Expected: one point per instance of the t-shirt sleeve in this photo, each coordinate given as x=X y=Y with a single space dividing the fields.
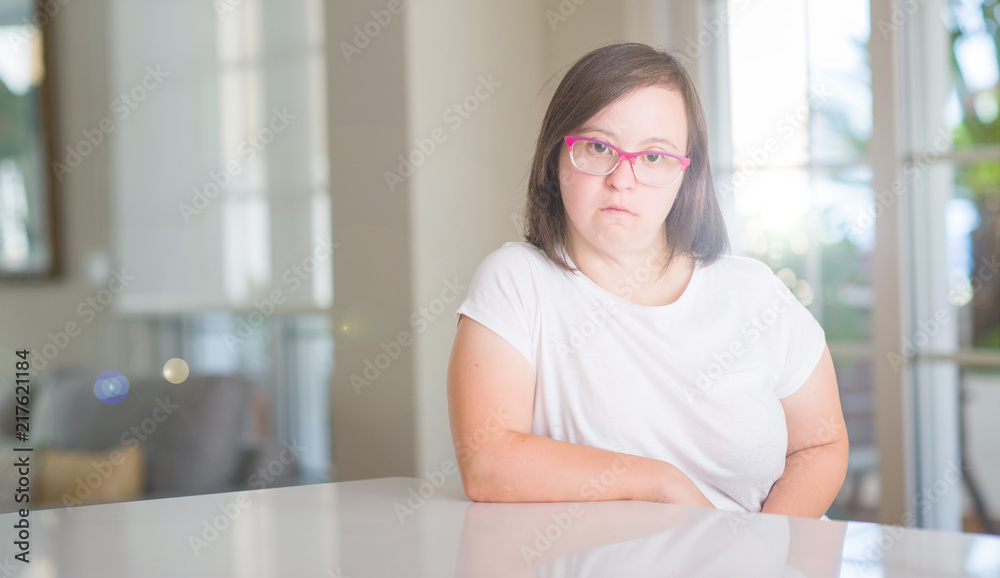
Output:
x=799 y=341
x=502 y=297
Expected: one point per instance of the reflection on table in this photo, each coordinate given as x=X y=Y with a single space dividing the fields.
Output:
x=411 y=527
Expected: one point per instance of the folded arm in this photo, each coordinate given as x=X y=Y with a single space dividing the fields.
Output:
x=816 y=459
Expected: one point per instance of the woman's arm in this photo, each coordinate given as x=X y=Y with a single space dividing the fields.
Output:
x=530 y=468
x=816 y=459
x=490 y=399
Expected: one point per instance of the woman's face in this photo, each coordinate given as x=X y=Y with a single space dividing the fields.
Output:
x=650 y=118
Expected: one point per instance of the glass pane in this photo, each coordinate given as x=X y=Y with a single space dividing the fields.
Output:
x=813 y=58
x=837 y=44
x=973 y=102
x=972 y=222
x=981 y=476
x=768 y=47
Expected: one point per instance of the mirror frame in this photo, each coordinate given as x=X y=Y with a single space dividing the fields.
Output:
x=53 y=269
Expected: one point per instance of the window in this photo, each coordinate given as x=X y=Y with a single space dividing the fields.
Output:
x=792 y=90
x=951 y=169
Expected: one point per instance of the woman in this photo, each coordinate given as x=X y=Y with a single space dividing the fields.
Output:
x=619 y=353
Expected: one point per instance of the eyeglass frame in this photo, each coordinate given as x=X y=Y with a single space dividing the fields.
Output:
x=570 y=140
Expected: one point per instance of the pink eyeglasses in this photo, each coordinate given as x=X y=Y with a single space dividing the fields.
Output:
x=598 y=157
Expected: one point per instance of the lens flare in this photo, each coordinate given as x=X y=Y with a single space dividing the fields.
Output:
x=176 y=370
x=111 y=387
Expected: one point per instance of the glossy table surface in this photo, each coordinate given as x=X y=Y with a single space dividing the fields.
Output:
x=409 y=527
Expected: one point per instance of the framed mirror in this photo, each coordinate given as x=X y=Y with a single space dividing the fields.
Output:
x=28 y=231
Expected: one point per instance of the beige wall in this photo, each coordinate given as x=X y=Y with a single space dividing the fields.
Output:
x=463 y=198
x=372 y=281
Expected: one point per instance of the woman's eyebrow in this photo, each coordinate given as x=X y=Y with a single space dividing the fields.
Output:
x=650 y=140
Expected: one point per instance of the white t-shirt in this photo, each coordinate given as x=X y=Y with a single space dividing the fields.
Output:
x=695 y=383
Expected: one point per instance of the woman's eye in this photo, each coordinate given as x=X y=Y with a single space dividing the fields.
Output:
x=653 y=159
x=598 y=147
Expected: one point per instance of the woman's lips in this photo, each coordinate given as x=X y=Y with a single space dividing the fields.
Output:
x=614 y=211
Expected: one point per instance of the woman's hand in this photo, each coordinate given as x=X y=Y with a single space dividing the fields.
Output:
x=674 y=487
x=688 y=494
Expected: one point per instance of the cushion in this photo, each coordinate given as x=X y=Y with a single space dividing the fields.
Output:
x=75 y=478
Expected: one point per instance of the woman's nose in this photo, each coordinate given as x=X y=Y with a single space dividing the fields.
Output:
x=623 y=177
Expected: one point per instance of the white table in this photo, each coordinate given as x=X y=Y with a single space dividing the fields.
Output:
x=367 y=528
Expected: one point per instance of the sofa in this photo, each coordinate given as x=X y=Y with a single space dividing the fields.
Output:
x=207 y=434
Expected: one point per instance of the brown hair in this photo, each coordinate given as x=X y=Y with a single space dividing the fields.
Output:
x=694 y=225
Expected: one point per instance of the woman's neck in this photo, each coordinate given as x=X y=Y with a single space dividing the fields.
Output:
x=635 y=277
